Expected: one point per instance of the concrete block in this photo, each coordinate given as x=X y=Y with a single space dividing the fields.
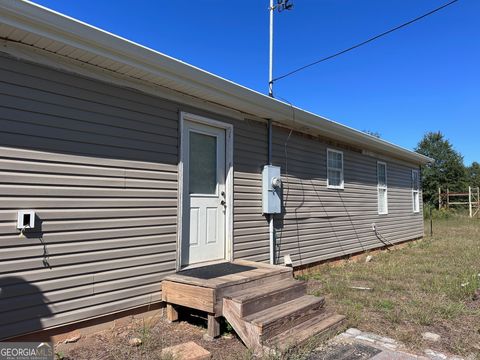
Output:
x=187 y=351
x=353 y=332
x=429 y=336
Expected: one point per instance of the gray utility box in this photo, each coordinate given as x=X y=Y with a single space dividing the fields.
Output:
x=271 y=190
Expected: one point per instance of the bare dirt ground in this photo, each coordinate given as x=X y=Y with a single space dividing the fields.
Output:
x=114 y=344
x=157 y=334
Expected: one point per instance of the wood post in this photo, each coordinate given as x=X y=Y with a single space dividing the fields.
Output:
x=439 y=198
x=477 y=211
x=213 y=330
x=431 y=221
x=470 y=201
x=172 y=313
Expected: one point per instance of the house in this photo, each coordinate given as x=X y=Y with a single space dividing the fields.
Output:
x=120 y=166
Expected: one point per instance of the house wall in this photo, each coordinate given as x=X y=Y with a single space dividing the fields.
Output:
x=321 y=223
x=98 y=163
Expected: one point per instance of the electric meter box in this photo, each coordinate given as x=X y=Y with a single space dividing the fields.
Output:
x=271 y=190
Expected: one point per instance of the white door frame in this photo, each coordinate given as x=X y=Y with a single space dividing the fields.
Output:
x=228 y=183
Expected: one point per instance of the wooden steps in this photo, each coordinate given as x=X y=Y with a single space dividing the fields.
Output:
x=277 y=315
x=277 y=319
x=316 y=326
x=266 y=306
x=259 y=298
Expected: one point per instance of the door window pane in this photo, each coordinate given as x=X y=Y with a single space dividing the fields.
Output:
x=203 y=164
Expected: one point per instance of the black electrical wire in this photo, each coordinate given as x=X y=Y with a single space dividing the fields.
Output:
x=364 y=42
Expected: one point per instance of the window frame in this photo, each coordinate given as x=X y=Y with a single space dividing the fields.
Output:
x=342 y=182
x=382 y=187
x=416 y=200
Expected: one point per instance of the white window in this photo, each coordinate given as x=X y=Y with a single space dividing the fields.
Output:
x=334 y=169
x=382 y=189
x=416 y=190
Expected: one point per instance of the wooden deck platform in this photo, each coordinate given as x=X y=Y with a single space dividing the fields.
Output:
x=261 y=301
x=203 y=288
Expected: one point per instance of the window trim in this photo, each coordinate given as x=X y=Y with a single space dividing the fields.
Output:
x=382 y=187
x=416 y=203
x=342 y=182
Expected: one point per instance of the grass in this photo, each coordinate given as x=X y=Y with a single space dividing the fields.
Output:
x=428 y=285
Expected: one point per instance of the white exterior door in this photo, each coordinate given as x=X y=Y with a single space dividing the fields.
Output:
x=204 y=198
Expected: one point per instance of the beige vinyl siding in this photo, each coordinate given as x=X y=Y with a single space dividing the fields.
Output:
x=250 y=231
x=98 y=164
x=321 y=223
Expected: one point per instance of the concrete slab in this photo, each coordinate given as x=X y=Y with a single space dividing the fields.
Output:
x=396 y=355
x=345 y=351
x=355 y=344
x=187 y=351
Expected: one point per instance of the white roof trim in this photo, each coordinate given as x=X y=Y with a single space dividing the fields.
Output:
x=182 y=77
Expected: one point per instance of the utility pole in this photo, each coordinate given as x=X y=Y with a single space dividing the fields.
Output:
x=271 y=9
x=280 y=6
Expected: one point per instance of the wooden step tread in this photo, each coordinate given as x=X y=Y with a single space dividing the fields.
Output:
x=276 y=313
x=267 y=290
x=302 y=332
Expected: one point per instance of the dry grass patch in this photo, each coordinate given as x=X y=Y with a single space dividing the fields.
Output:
x=430 y=285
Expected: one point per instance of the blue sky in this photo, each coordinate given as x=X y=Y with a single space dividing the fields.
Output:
x=425 y=77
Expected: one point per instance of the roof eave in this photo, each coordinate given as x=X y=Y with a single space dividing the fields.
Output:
x=50 y=24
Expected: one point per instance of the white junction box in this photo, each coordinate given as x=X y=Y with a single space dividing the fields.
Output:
x=271 y=190
x=25 y=219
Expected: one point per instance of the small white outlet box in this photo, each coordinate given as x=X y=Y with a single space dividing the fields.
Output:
x=288 y=260
x=374 y=227
x=26 y=219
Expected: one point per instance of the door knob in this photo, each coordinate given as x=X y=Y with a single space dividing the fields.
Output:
x=223 y=203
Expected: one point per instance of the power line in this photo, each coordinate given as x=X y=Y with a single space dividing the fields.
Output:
x=365 y=42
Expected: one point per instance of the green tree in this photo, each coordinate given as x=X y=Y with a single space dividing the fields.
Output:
x=448 y=170
x=474 y=174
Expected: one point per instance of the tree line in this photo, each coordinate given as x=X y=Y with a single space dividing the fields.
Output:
x=448 y=170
